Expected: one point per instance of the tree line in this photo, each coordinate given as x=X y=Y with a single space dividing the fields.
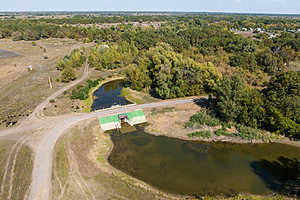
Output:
x=275 y=108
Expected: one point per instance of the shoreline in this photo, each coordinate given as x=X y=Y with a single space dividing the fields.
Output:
x=170 y=123
x=87 y=104
x=144 y=185
x=225 y=139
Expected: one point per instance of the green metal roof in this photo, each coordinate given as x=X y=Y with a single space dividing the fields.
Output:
x=115 y=118
x=109 y=119
x=137 y=113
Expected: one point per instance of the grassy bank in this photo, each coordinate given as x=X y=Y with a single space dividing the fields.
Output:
x=87 y=103
x=137 y=97
x=213 y=128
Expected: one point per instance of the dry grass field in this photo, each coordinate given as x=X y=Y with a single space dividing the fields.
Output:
x=15 y=170
x=22 y=90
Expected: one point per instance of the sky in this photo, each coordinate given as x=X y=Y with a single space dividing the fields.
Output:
x=242 y=6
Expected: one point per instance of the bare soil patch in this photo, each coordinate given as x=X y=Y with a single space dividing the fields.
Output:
x=169 y=121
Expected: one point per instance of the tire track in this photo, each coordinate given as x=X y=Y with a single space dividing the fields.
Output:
x=13 y=167
x=76 y=173
x=7 y=164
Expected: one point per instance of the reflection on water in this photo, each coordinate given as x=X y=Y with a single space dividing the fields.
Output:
x=108 y=95
x=191 y=168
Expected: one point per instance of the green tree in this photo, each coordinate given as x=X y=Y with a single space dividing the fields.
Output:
x=283 y=95
x=68 y=74
x=229 y=95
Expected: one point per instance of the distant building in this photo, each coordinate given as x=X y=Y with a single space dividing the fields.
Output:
x=244 y=29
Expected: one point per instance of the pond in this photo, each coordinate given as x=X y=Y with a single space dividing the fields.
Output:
x=7 y=54
x=199 y=168
x=108 y=95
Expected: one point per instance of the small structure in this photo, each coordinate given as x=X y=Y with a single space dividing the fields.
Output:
x=29 y=68
x=114 y=121
x=110 y=122
x=136 y=117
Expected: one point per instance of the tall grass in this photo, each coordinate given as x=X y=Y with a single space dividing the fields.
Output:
x=201 y=134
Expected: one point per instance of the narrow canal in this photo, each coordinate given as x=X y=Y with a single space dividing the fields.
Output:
x=108 y=95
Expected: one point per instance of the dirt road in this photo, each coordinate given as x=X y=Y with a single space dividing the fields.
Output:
x=38 y=110
x=51 y=128
x=41 y=180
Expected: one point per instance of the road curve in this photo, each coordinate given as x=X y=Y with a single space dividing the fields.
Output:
x=42 y=169
x=44 y=104
x=54 y=127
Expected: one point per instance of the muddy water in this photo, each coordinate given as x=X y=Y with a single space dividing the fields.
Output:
x=108 y=95
x=198 y=168
x=7 y=54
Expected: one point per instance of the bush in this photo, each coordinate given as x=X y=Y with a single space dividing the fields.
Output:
x=82 y=92
x=52 y=101
x=203 y=118
x=68 y=75
x=246 y=132
x=202 y=134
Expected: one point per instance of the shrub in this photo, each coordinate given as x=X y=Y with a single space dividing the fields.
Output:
x=203 y=118
x=82 y=92
x=246 y=132
x=52 y=101
x=68 y=75
x=222 y=131
x=202 y=134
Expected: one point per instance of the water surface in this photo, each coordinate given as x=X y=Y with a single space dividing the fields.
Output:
x=190 y=168
x=108 y=95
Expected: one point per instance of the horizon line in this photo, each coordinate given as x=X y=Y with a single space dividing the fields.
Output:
x=150 y=11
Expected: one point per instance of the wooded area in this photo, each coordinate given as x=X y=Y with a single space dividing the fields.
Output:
x=254 y=80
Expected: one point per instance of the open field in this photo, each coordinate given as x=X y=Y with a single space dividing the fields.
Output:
x=15 y=170
x=22 y=90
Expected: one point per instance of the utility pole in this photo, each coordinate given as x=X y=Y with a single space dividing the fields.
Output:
x=50 y=83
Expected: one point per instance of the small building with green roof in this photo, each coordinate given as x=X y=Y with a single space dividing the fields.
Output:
x=114 y=121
